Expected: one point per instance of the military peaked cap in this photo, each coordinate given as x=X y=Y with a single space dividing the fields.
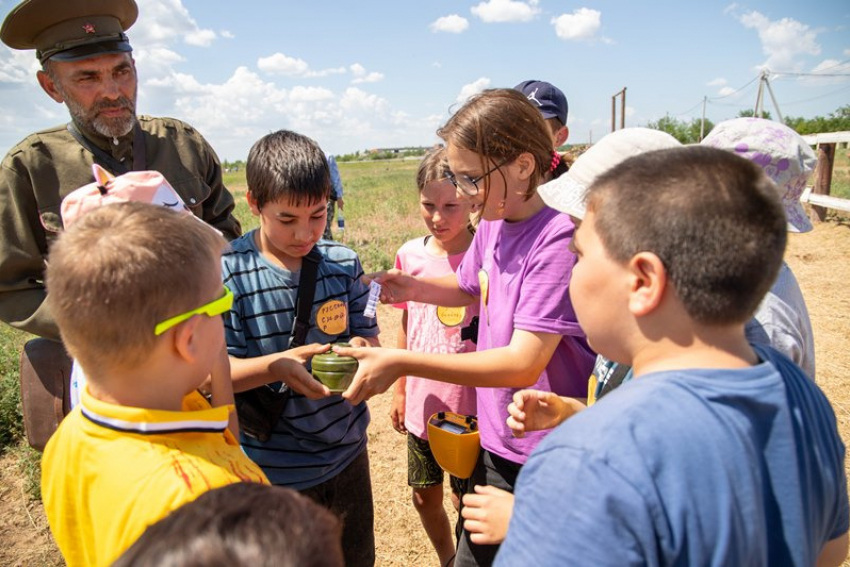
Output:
x=67 y=30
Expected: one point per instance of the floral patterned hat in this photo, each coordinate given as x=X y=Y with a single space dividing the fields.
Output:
x=781 y=152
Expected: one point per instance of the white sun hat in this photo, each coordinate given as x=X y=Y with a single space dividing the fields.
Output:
x=567 y=192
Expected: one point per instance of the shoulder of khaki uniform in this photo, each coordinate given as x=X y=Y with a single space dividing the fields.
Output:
x=38 y=138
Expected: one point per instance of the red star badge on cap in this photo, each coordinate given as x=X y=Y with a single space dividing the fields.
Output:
x=88 y=28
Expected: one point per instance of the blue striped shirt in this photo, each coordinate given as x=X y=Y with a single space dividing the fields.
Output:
x=314 y=439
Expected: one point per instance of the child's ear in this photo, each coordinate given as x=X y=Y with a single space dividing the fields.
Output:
x=252 y=203
x=524 y=165
x=648 y=283
x=186 y=340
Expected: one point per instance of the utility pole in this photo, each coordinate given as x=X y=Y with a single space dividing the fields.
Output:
x=622 y=94
x=764 y=81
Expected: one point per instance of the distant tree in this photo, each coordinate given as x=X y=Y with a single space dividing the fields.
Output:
x=749 y=113
x=685 y=132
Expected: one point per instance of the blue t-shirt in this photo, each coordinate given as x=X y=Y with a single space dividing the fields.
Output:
x=692 y=467
x=314 y=439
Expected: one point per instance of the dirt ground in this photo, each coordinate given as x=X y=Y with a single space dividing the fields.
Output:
x=820 y=260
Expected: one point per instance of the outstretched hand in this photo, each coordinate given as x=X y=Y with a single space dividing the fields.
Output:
x=396 y=286
x=375 y=372
x=486 y=514
x=290 y=370
x=534 y=410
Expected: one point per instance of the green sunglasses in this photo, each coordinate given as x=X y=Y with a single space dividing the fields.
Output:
x=211 y=309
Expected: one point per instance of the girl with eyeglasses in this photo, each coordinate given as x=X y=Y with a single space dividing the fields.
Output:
x=518 y=270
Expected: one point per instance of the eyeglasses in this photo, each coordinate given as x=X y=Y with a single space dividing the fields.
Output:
x=211 y=309
x=468 y=185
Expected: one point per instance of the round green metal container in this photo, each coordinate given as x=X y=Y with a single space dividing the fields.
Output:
x=334 y=371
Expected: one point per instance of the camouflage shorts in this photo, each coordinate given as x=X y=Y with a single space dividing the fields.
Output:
x=422 y=468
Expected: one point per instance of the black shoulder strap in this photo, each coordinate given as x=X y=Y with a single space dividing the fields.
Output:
x=139 y=153
x=304 y=300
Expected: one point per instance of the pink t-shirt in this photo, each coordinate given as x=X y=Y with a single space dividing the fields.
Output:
x=521 y=271
x=436 y=330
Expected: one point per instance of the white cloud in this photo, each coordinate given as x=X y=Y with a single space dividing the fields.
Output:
x=847 y=52
x=450 y=24
x=280 y=64
x=582 y=24
x=472 y=89
x=726 y=91
x=500 y=11
x=17 y=66
x=372 y=77
x=718 y=82
x=783 y=41
x=310 y=94
x=437 y=65
x=828 y=67
x=166 y=21
x=325 y=72
x=156 y=61
x=630 y=111
x=227 y=34
x=361 y=76
x=200 y=38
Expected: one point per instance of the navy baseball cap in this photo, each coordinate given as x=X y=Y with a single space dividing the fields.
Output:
x=548 y=98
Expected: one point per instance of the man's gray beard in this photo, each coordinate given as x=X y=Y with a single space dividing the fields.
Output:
x=108 y=127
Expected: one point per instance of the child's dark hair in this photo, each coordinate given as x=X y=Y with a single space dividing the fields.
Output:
x=241 y=525
x=287 y=165
x=501 y=124
x=712 y=218
x=433 y=167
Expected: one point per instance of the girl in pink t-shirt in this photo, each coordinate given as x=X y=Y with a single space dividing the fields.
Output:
x=430 y=328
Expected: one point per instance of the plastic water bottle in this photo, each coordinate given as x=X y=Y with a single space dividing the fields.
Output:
x=340 y=222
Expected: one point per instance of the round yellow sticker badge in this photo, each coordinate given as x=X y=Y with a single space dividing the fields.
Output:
x=484 y=284
x=332 y=317
x=451 y=316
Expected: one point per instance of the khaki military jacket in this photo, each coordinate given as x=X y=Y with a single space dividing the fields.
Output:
x=40 y=171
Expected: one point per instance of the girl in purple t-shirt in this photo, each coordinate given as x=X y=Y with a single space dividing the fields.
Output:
x=518 y=269
x=431 y=328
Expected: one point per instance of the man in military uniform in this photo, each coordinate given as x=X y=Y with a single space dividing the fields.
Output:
x=87 y=65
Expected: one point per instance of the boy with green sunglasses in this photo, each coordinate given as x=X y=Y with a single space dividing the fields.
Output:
x=124 y=284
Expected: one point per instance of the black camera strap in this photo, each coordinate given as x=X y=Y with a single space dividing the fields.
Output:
x=105 y=159
x=304 y=299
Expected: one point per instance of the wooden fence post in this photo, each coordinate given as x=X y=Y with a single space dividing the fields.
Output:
x=823 y=178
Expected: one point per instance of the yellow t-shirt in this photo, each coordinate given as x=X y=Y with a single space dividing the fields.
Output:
x=110 y=471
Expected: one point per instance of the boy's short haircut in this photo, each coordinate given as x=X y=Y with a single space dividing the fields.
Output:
x=713 y=218
x=433 y=167
x=120 y=270
x=285 y=165
x=242 y=525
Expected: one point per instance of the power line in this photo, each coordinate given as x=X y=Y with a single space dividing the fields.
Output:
x=754 y=79
x=842 y=89
x=819 y=74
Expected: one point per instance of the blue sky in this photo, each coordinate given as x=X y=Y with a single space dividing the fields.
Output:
x=361 y=75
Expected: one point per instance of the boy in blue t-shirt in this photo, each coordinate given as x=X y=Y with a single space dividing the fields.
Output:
x=317 y=443
x=717 y=453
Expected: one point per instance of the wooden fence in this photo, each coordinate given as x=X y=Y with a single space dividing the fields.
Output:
x=818 y=194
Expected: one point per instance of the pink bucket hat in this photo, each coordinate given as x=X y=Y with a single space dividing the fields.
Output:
x=145 y=186
x=781 y=152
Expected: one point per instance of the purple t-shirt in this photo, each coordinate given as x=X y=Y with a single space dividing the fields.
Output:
x=521 y=271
